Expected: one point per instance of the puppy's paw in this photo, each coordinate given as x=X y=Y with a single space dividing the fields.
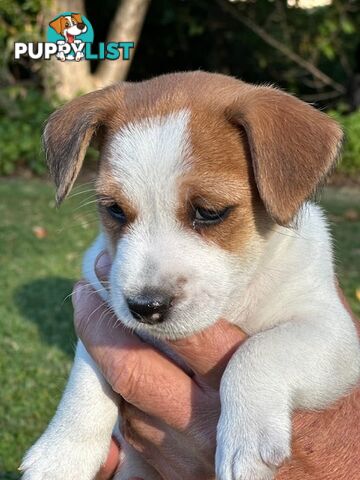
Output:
x=60 y=459
x=79 y=56
x=61 y=56
x=251 y=449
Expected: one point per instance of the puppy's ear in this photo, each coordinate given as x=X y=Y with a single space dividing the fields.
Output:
x=293 y=147
x=57 y=25
x=77 y=17
x=69 y=131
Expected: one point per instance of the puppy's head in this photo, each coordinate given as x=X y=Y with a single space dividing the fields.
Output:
x=195 y=170
x=70 y=24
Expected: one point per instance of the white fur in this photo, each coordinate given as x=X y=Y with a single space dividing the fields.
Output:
x=148 y=160
x=303 y=351
x=77 y=440
x=147 y=157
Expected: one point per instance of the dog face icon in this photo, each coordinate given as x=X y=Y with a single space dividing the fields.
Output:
x=69 y=26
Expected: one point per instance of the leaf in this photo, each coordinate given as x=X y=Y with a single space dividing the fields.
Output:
x=40 y=232
x=352 y=215
x=357 y=293
x=347 y=26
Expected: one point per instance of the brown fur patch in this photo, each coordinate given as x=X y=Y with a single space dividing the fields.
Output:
x=220 y=177
x=292 y=145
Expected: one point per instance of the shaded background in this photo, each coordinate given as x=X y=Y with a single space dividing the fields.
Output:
x=312 y=52
x=308 y=47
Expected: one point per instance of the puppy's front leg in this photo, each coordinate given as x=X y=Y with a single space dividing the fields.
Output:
x=300 y=364
x=77 y=440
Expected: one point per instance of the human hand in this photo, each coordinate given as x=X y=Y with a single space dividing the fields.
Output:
x=171 y=417
x=177 y=414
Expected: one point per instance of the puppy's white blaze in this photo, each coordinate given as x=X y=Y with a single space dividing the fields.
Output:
x=147 y=158
x=160 y=255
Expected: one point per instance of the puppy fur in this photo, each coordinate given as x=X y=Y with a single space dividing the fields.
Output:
x=197 y=139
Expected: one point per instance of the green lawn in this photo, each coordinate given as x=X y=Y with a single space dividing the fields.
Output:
x=36 y=275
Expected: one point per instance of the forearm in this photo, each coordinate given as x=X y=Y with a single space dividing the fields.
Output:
x=326 y=444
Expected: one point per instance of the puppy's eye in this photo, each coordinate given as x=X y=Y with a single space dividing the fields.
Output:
x=205 y=216
x=67 y=24
x=117 y=212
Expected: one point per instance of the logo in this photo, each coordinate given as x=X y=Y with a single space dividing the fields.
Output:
x=70 y=31
x=70 y=37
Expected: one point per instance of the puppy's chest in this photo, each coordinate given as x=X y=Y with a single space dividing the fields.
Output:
x=266 y=304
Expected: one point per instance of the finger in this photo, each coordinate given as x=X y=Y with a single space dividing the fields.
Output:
x=141 y=430
x=158 y=443
x=150 y=437
x=138 y=428
x=208 y=352
x=137 y=371
x=108 y=469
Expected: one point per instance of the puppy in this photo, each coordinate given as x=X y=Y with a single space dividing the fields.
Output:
x=69 y=26
x=203 y=194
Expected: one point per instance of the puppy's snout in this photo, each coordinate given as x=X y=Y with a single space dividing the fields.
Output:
x=150 y=306
x=81 y=26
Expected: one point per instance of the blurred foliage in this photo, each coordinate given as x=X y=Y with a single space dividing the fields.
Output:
x=20 y=21
x=350 y=162
x=189 y=34
x=24 y=111
x=200 y=34
x=22 y=114
x=23 y=108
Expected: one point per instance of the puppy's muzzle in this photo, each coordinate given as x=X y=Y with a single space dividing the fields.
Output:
x=81 y=26
x=150 y=306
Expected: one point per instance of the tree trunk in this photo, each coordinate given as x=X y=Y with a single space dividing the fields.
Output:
x=67 y=79
x=126 y=26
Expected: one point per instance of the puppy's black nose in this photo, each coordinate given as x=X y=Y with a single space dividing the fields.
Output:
x=149 y=306
x=81 y=26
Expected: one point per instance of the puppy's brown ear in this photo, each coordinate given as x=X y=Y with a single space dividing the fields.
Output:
x=57 y=25
x=293 y=147
x=69 y=131
x=77 y=17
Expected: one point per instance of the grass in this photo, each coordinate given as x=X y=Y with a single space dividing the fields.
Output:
x=36 y=334
x=37 y=274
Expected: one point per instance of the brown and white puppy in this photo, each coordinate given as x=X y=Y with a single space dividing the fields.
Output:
x=203 y=190
x=69 y=26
